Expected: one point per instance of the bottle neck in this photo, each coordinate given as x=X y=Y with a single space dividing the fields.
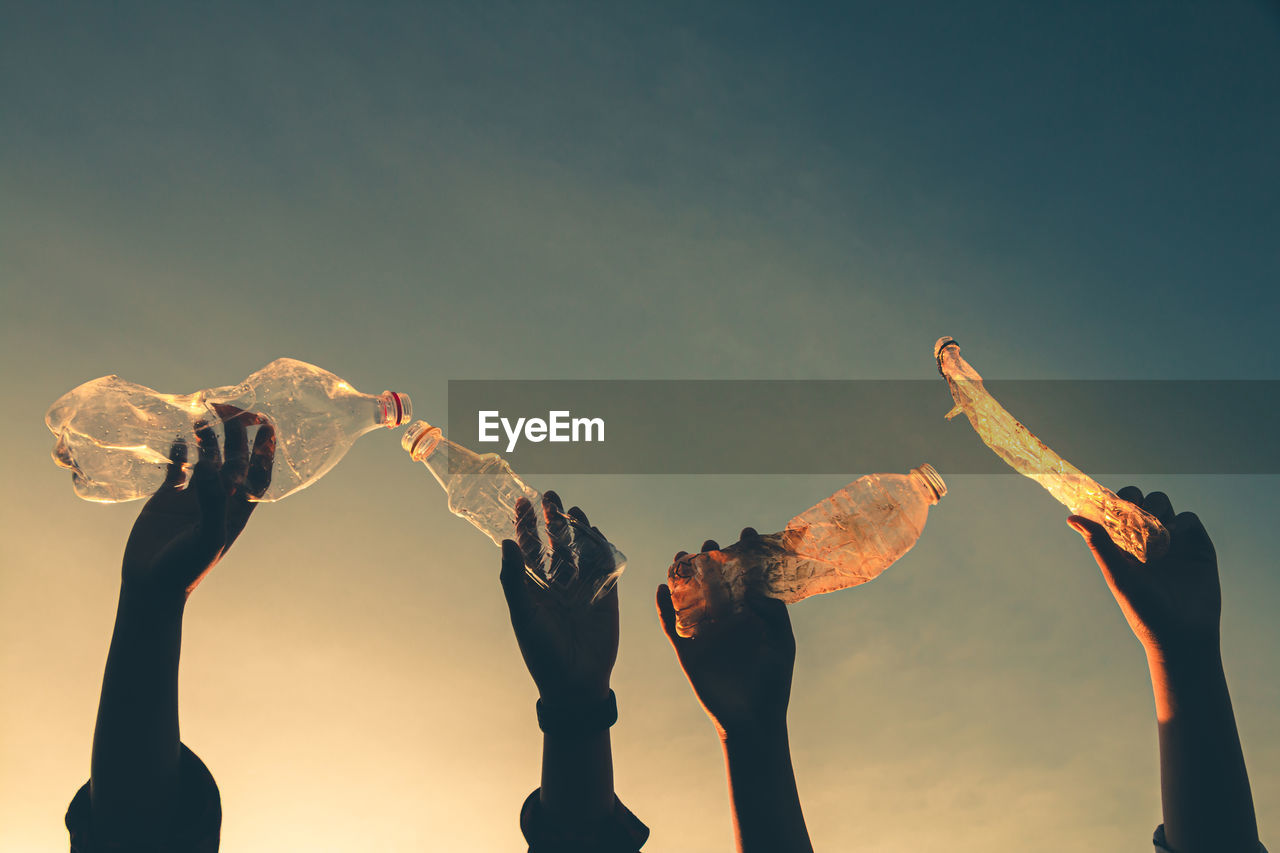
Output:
x=931 y=481
x=421 y=440
x=391 y=409
x=446 y=460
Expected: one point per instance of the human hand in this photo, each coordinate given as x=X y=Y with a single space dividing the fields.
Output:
x=740 y=666
x=182 y=532
x=1173 y=602
x=569 y=644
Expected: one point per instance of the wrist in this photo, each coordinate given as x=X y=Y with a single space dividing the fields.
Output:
x=587 y=694
x=1185 y=681
x=752 y=732
x=1197 y=656
x=578 y=717
x=148 y=599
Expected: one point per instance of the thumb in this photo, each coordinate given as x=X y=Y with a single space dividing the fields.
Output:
x=667 y=614
x=513 y=579
x=1110 y=556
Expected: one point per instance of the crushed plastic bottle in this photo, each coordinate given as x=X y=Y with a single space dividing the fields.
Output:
x=1129 y=526
x=845 y=540
x=484 y=490
x=116 y=436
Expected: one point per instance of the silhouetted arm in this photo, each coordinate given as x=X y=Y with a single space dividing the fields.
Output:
x=740 y=669
x=1173 y=604
x=136 y=747
x=138 y=759
x=577 y=776
x=762 y=788
x=1204 y=787
x=569 y=648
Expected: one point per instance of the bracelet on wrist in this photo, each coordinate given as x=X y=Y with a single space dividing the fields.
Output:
x=577 y=718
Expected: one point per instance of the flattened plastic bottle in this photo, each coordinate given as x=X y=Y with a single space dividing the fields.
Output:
x=484 y=490
x=116 y=436
x=1131 y=527
x=843 y=541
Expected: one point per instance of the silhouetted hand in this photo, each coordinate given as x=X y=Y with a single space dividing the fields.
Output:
x=740 y=667
x=569 y=646
x=1172 y=602
x=182 y=532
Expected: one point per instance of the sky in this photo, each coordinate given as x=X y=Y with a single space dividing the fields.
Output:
x=413 y=193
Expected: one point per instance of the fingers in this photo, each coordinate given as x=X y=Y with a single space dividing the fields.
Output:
x=667 y=615
x=262 y=460
x=235 y=467
x=561 y=568
x=596 y=558
x=1158 y=504
x=581 y=516
x=558 y=530
x=1132 y=494
x=207 y=446
x=176 y=473
x=207 y=482
x=1189 y=532
x=527 y=535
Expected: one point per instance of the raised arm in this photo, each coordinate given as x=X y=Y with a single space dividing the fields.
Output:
x=1173 y=604
x=569 y=648
x=740 y=671
x=137 y=766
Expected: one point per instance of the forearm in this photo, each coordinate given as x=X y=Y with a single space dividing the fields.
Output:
x=577 y=777
x=762 y=790
x=1203 y=781
x=136 y=745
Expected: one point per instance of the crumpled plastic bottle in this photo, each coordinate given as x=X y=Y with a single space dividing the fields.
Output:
x=484 y=490
x=116 y=436
x=845 y=540
x=1130 y=527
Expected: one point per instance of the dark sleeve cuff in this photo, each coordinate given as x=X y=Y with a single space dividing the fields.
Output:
x=197 y=820
x=621 y=832
x=1162 y=846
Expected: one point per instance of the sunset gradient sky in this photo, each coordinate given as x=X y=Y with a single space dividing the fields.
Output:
x=413 y=193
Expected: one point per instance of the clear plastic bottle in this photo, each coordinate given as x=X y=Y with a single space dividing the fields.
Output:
x=845 y=540
x=115 y=436
x=484 y=490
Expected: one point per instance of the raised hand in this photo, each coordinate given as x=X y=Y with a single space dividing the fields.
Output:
x=569 y=646
x=1173 y=602
x=1174 y=605
x=183 y=531
x=740 y=667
